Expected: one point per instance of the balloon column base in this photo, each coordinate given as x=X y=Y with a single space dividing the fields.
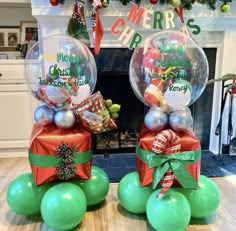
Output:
x=25 y=198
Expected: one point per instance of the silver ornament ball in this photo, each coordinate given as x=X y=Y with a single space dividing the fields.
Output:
x=182 y=109
x=180 y=120
x=156 y=119
x=44 y=115
x=64 y=119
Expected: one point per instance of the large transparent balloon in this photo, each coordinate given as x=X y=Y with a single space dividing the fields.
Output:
x=60 y=71
x=168 y=70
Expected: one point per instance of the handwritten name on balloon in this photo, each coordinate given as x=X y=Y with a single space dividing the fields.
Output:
x=57 y=83
x=63 y=77
x=60 y=57
x=182 y=88
x=162 y=20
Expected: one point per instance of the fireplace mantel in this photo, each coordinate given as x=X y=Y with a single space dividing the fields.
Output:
x=217 y=30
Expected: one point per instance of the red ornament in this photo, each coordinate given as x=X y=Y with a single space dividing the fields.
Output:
x=150 y=58
x=154 y=1
x=153 y=94
x=54 y=2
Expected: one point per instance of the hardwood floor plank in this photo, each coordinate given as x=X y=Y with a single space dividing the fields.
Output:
x=110 y=215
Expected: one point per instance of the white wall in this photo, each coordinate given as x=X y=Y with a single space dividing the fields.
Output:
x=13 y=16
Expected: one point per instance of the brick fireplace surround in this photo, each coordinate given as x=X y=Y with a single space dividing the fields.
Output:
x=218 y=31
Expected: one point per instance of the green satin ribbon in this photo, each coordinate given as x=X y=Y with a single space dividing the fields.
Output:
x=50 y=161
x=176 y=162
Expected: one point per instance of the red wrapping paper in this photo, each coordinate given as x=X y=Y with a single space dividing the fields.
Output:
x=45 y=139
x=95 y=104
x=188 y=142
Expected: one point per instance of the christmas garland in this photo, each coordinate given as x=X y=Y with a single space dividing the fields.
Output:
x=187 y=4
x=229 y=76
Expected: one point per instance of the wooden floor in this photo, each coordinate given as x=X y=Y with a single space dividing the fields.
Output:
x=111 y=216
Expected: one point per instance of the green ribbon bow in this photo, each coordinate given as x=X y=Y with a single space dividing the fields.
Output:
x=50 y=161
x=176 y=162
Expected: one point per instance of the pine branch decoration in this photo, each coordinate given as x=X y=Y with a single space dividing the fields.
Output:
x=229 y=76
x=66 y=167
x=187 y=4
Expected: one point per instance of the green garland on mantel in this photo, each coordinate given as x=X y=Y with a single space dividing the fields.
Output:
x=187 y=4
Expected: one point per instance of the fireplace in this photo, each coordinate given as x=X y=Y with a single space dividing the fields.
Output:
x=218 y=31
x=113 y=82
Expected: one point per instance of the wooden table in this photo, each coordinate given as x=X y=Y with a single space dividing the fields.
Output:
x=110 y=216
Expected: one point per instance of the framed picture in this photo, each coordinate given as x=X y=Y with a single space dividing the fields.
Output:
x=9 y=38
x=28 y=31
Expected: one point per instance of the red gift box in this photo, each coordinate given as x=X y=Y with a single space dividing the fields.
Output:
x=188 y=142
x=74 y=146
x=94 y=114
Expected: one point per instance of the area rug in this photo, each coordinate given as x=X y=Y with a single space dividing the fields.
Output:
x=217 y=165
x=118 y=165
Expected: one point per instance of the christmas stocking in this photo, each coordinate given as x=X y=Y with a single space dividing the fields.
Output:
x=77 y=26
x=97 y=25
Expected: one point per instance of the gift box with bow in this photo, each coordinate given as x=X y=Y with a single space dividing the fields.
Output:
x=60 y=154
x=94 y=114
x=172 y=154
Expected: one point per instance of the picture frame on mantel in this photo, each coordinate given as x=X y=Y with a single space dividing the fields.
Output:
x=29 y=35
x=9 y=38
x=29 y=32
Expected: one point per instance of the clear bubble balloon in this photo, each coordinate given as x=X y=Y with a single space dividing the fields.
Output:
x=168 y=69
x=60 y=71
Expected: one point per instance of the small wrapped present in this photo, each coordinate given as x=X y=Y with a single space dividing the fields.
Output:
x=94 y=114
x=168 y=158
x=60 y=154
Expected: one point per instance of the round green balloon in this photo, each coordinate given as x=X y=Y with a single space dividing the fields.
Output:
x=170 y=213
x=96 y=188
x=23 y=196
x=63 y=206
x=205 y=200
x=132 y=196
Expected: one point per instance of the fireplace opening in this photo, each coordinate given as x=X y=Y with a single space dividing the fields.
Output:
x=113 y=82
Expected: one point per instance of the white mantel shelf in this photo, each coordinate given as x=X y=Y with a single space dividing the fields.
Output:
x=12 y=61
x=216 y=20
x=54 y=20
x=218 y=30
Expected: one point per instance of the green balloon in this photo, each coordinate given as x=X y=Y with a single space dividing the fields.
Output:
x=170 y=213
x=133 y=197
x=24 y=197
x=96 y=188
x=63 y=206
x=203 y=201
